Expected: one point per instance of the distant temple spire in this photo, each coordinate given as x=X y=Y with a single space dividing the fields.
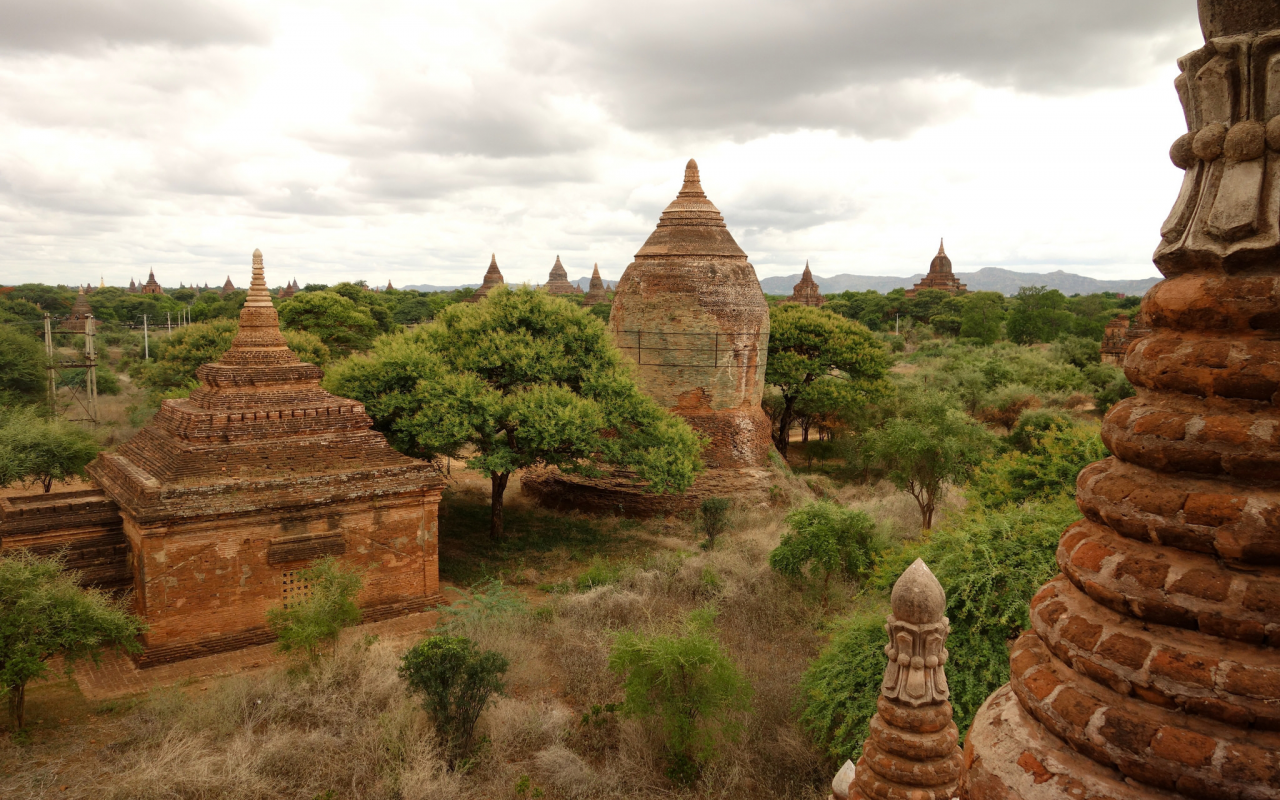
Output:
x=940 y=276
x=595 y=292
x=806 y=292
x=558 y=282
x=492 y=279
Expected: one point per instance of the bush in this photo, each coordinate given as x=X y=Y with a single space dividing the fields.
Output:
x=1005 y=405
x=1075 y=350
x=990 y=564
x=689 y=683
x=1048 y=468
x=826 y=538
x=315 y=622
x=38 y=450
x=714 y=514
x=22 y=368
x=1113 y=393
x=456 y=682
x=108 y=383
x=1035 y=422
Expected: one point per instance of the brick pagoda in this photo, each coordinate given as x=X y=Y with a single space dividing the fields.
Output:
x=1152 y=669
x=226 y=494
x=806 y=291
x=558 y=281
x=940 y=276
x=596 y=292
x=492 y=279
x=152 y=286
x=689 y=312
x=80 y=311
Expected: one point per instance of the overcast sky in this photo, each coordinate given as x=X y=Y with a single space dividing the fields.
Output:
x=406 y=141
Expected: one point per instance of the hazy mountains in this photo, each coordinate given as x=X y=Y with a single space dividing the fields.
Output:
x=987 y=279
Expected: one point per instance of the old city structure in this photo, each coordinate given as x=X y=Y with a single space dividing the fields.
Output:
x=289 y=290
x=558 y=281
x=913 y=751
x=940 y=276
x=225 y=495
x=689 y=312
x=596 y=292
x=80 y=311
x=152 y=286
x=806 y=292
x=492 y=280
x=1119 y=334
x=227 y=287
x=1152 y=669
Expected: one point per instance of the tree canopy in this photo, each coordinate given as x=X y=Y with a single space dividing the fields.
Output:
x=807 y=345
x=178 y=355
x=343 y=326
x=519 y=379
x=22 y=368
x=38 y=450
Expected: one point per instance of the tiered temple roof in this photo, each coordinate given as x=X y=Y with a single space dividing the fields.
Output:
x=558 y=281
x=152 y=286
x=133 y=286
x=806 y=291
x=940 y=276
x=492 y=279
x=227 y=287
x=79 y=311
x=596 y=292
x=290 y=289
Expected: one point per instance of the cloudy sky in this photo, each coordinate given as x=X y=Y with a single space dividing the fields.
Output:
x=404 y=140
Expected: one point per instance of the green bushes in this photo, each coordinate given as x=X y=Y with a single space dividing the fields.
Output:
x=40 y=451
x=456 y=682
x=689 y=684
x=325 y=605
x=714 y=515
x=840 y=688
x=1048 y=467
x=826 y=538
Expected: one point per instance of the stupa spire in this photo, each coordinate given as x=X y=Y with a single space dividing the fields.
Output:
x=941 y=250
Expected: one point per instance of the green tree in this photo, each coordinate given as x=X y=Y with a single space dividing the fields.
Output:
x=1045 y=470
x=312 y=624
x=44 y=613
x=689 y=683
x=22 y=368
x=38 y=450
x=343 y=326
x=714 y=513
x=522 y=378
x=456 y=682
x=930 y=445
x=1039 y=315
x=176 y=357
x=982 y=317
x=826 y=538
x=807 y=344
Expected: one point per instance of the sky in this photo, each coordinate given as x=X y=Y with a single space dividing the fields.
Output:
x=408 y=140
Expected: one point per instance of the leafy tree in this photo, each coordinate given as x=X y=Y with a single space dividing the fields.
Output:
x=1076 y=351
x=176 y=357
x=1115 y=391
x=982 y=316
x=930 y=445
x=456 y=682
x=1034 y=422
x=22 y=368
x=689 y=683
x=926 y=304
x=24 y=312
x=807 y=344
x=826 y=538
x=1045 y=470
x=342 y=325
x=990 y=564
x=314 y=624
x=44 y=613
x=38 y=450
x=715 y=518
x=1038 y=315
x=522 y=378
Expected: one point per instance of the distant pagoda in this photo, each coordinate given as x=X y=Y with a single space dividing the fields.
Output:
x=595 y=292
x=289 y=290
x=492 y=279
x=806 y=291
x=152 y=286
x=79 y=312
x=940 y=276
x=133 y=286
x=558 y=282
x=227 y=288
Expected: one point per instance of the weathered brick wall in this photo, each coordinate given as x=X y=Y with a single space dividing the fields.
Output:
x=84 y=524
x=618 y=493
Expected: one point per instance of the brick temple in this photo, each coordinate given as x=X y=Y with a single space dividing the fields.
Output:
x=596 y=292
x=940 y=276
x=1152 y=669
x=492 y=280
x=690 y=314
x=558 y=281
x=806 y=292
x=213 y=507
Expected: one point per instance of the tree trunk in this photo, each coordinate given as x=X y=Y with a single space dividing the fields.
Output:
x=784 y=427
x=499 y=482
x=48 y=484
x=926 y=513
x=18 y=705
x=804 y=430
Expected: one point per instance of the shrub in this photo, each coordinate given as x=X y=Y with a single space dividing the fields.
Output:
x=826 y=538
x=839 y=690
x=315 y=623
x=1004 y=405
x=1034 y=422
x=1075 y=350
x=688 y=682
x=483 y=603
x=714 y=515
x=38 y=450
x=456 y=682
x=1113 y=393
x=22 y=368
x=1048 y=468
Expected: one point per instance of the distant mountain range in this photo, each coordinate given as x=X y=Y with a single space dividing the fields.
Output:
x=987 y=279
x=582 y=283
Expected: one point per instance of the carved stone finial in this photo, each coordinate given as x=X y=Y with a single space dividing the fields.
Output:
x=917 y=632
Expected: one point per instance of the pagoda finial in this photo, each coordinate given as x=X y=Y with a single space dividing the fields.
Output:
x=259 y=295
x=493 y=259
x=692 y=180
x=941 y=251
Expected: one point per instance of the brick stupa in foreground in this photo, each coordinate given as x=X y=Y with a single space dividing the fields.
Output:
x=226 y=494
x=1152 y=669
x=689 y=312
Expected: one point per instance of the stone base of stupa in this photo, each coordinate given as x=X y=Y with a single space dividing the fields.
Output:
x=618 y=492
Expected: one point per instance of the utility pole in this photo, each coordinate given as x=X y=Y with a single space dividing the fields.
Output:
x=50 y=369
x=146 y=344
x=895 y=324
x=168 y=321
x=91 y=367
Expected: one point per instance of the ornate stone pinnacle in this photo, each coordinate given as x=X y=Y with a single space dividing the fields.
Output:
x=941 y=251
x=259 y=295
x=917 y=631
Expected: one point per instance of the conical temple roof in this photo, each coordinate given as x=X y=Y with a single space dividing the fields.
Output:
x=940 y=263
x=558 y=272
x=691 y=225
x=492 y=278
x=596 y=291
x=807 y=276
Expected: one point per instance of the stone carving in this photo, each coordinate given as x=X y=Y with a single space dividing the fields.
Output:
x=1152 y=669
x=940 y=276
x=595 y=292
x=913 y=751
x=689 y=312
x=492 y=278
x=152 y=286
x=806 y=291
x=80 y=311
x=558 y=282
x=258 y=471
